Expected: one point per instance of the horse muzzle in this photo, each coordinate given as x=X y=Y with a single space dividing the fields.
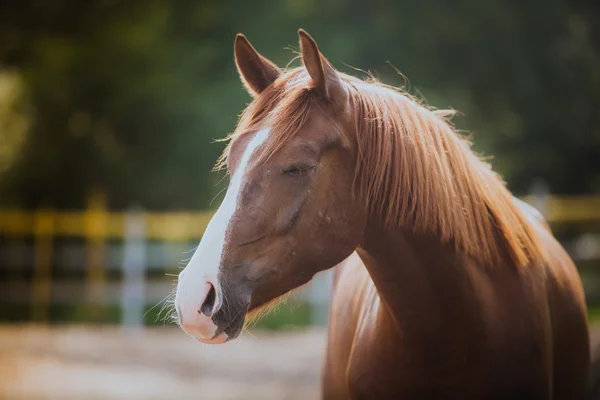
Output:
x=208 y=315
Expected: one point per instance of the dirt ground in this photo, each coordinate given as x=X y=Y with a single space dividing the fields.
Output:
x=159 y=363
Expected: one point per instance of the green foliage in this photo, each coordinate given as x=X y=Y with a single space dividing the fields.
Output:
x=128 y=95
x=594 y=314
x=289 y=315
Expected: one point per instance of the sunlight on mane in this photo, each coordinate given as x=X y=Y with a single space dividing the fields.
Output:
x=414 y=170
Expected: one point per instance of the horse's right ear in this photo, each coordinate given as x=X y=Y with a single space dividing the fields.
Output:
x=255 y=71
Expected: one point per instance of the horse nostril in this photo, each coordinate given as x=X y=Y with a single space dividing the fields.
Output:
x=209 y=302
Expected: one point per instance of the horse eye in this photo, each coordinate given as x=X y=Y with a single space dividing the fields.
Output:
x=298 y=170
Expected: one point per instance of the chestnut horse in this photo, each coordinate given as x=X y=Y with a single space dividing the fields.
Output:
x=451 y=288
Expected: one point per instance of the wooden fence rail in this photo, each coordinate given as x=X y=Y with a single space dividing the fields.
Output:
x=136 y=227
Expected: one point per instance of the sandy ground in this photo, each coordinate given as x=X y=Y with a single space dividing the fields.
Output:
x=159 y=363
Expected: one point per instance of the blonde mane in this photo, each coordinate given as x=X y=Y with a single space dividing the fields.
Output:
x=414 y=170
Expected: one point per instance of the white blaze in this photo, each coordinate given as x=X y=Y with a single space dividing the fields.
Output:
x=206 y=261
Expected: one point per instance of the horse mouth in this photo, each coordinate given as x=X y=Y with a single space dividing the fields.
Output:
x=232 y=328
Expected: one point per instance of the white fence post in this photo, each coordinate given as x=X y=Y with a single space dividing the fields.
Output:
x=134 y=270
x=540 y=194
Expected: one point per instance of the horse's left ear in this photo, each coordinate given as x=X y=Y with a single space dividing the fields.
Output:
x=256 y=72
x=324 y=77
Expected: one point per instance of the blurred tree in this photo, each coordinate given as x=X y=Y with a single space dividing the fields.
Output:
x=125 y=98
x=13 y=118
x=127 y=95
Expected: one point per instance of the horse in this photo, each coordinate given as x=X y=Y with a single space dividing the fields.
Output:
x=450 y=287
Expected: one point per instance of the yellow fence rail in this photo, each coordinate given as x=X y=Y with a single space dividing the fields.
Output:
x=97 y=223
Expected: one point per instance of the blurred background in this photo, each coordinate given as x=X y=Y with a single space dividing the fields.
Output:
x=108 y=114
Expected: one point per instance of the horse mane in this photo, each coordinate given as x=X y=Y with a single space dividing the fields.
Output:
x=414 y=170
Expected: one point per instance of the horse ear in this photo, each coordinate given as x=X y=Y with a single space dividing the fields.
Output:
x=324 y=77
x=256 y=72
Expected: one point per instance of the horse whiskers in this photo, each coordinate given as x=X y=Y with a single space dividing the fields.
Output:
x=163 y=302
x=171 y=317
x=191 y=250
x=169 y=305
x=247 y=332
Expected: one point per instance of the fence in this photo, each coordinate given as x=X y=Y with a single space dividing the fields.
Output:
x=144 y=249
x=141 y=247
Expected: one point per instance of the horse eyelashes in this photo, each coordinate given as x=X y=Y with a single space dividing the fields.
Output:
x=298 y=170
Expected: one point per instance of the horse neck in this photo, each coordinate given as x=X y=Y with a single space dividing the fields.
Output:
x=421 y=281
